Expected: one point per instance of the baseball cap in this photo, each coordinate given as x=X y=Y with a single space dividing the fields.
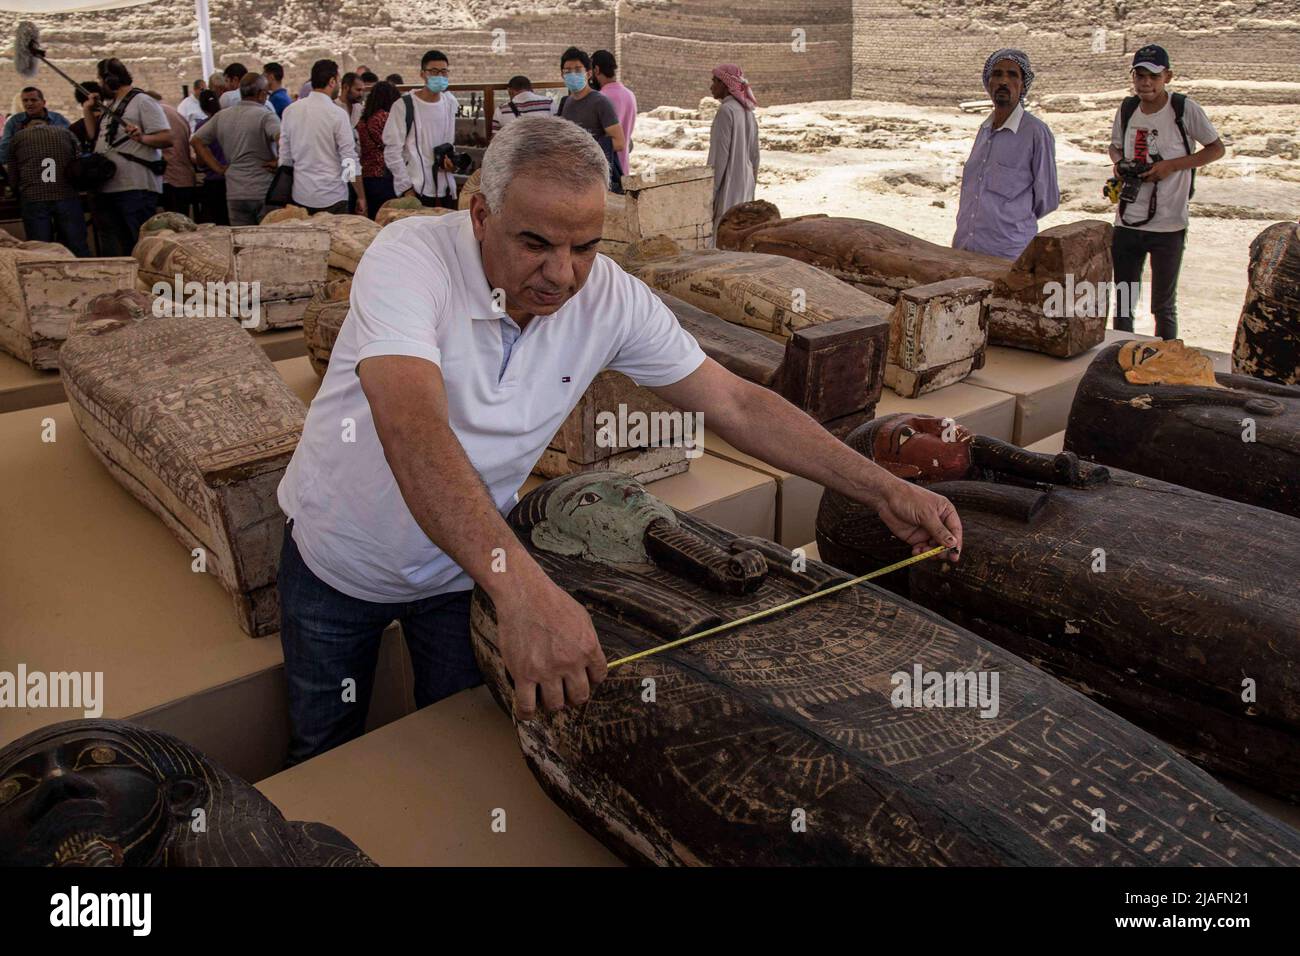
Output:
x=1152 y=58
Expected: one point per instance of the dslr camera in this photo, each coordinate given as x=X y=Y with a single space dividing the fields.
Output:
x=1124 y=188
x=461 y=162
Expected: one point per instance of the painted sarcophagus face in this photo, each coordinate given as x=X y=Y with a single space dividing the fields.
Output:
x=191 y=417
x=855 y=728
x=110 y=793
x=1158 y=409
x=1175 y=608
x=1026 y=308
x=1267 y=345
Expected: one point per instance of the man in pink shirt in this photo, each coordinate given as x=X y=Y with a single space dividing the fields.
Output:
x=604 y=69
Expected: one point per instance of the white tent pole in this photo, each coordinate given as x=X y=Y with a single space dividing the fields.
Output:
x=205 y=36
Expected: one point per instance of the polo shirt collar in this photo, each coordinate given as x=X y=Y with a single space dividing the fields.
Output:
x=1013 y=121
x=474 y=281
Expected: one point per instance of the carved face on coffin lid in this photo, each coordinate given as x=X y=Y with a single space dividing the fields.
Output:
x=916 y=447
x=1165 y=363
x=108 y=793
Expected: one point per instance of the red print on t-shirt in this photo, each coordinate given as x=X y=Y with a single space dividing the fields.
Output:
x=1140 y=152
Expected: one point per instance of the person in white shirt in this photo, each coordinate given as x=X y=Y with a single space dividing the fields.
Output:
x=190 y=108
x=234 y=75
x=316 y=140
x=523 y=101
x=469 y=339
x=418 y=124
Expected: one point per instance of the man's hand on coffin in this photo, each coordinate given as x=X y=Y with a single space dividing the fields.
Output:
x=919 y=517
x=761 y=423
x=548 y=644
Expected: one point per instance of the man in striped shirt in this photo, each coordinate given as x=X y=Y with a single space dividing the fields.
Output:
x=39 y=155
x=522 y=102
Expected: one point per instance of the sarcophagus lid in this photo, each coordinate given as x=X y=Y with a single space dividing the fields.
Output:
x=1175 y=608
x=808 y=736
x=191 y=417
x=1267 y=345
x=1027 y=306
x=1157 y=408
x=153 y=787
x=43 y=287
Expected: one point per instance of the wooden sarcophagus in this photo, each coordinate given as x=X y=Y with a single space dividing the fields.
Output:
x=1174 y=608
x=43 y=287
x=1027 y=308
x=804 y=738
x=844 y=332
x=192 y=418
x=1158 y=409
x=322 y=320
x=1267 y=345
x=261 y=276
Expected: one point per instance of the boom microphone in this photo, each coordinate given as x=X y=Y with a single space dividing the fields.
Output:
x=28 y=52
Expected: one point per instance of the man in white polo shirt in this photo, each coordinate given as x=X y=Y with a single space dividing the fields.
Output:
x=470 y=338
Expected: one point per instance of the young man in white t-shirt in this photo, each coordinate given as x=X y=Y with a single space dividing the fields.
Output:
x=1155 y=223
x=409 y=144
x=470 y=338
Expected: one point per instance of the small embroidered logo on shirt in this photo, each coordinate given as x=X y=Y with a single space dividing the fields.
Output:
x=566 y=379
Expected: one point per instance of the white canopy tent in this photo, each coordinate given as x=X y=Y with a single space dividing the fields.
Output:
x=50 y=7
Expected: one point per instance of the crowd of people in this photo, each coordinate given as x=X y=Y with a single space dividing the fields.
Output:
x=349 y=142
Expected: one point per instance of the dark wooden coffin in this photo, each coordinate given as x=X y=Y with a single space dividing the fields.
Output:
x=778 y=743
x=1240 y=441
x=1174 y=608
x=885 y=262
x=1268 y=333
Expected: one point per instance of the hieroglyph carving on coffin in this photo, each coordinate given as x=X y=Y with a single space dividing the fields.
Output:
x=1172 y=607
x=1268 y=333
x=261 y=276
x=110 y=793
x=42 y=288
x=797 y=740
x=1032 y=305
x=193 y=419
x=787 y=301
x=1228 y=435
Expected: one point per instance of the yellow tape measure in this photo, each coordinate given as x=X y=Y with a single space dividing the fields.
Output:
x=758 y=615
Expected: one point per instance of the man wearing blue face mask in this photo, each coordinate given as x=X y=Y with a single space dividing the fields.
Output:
x=417 y=125
x=591 y=110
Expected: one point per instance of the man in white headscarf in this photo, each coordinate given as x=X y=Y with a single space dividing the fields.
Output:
x=733 y=141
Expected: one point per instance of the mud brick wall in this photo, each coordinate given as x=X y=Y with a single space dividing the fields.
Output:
x=942 y=45
x=668 y=50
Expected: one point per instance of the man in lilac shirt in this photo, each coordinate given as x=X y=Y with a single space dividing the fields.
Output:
x=604 y=69
x=1009 y=181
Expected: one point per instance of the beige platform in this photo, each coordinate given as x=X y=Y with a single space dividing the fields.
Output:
x=731 y=496
x=1051 y=445
x=422 y=792
x=21 y=386
x=1043 y=386
x=797 y=499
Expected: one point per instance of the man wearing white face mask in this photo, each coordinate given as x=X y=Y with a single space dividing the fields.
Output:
x=417 y=125
x=592 y=111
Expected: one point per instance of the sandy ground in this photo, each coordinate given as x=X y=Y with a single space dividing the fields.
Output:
x=901 y=165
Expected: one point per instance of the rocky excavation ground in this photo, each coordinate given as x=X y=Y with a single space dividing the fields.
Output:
x=901 y=165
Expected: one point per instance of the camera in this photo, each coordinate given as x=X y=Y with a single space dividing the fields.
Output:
x=462 y=162
x=1124 y=188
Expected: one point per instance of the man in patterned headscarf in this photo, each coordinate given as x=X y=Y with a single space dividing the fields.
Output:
x=1009 y=181
x=733 y=140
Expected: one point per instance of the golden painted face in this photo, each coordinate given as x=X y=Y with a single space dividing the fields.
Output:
x=1165 y=363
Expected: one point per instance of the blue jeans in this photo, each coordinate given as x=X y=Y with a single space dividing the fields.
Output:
x=124 y=213
x=329 y=637
x=44 y=219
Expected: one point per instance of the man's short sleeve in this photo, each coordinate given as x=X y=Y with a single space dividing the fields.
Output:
x=1197 y=123
x=1117 y=131
x=398 y=318
x=206 y=133
x=655 y=350
x=152 y=119
x=605 y=112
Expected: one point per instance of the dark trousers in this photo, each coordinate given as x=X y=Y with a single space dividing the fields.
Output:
x=329 y=637
x=379 y=189
x=212 y=202
x=179 y=199
x=1129 y=250
x=62 y=218
x=338 y=209
x=124 y=213
x=443 y=202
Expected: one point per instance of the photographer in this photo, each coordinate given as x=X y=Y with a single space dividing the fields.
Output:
x=1151 y=145
x=131 y=131
x=419 y=134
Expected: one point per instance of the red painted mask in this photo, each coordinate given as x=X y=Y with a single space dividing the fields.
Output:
x=923 y=448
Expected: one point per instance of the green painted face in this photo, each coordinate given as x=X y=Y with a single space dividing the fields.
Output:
x=602 y=516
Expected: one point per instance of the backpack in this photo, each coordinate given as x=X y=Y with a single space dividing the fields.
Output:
x=1179 y=101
